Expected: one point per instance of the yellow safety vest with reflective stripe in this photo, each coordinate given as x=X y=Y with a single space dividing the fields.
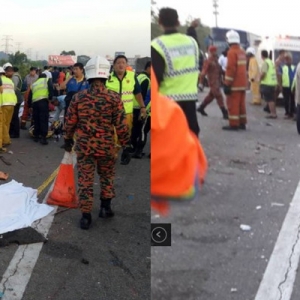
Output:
x=285 y=76
x=124 y=88
x=181 y=55
x=8 y=96
x=141 y=78
x=40 y=89
x=270 y=78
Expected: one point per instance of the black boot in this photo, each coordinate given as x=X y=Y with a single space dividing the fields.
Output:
x=230 y=128
x=138 y=154
x=242 y=127
x=201 y=110
x=267 y=109
x=105 y=209
x=36 y=139
x=225 y=113
x=85 y=221
x=44 y=141
x=23 y=125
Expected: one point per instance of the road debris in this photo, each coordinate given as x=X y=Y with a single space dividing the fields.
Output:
x=277 y=204
x=258 y=207
x=270 y=147
x=245 y=227
x=5 y=161
x=233 y=290
x=85 y=261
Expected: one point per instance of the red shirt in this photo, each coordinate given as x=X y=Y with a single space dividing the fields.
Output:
x=61 y=77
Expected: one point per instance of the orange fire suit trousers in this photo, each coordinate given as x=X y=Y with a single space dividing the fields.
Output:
x=236 y=104
x=214 y=93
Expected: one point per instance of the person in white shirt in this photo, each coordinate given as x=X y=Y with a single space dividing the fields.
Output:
x=223 y=60
x=47 y=72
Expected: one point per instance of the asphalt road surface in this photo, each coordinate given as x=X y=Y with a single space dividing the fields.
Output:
x=252 y=178
x=110 y=261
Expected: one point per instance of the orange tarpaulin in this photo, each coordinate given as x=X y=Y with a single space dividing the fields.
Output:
x=178 y=162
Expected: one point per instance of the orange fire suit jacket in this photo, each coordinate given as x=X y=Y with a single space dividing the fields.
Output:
x=236 y=71
x=213 y=71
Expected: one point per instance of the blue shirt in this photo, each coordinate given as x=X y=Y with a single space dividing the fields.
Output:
x=148 y=97
x=74 y=86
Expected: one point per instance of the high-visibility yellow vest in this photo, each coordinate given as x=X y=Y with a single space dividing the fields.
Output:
x=270 y=77
x=141 y=78
x=286 y=77
x=124 y=88
x=181 y=55
x=40 y=89
x=8 y=96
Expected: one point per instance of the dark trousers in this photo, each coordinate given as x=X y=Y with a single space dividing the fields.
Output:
x=189 y=109
x=136 y=127
x=289 y=101
x=40 y=114
x=142 y=139
x=14 y=129
x=298 y=118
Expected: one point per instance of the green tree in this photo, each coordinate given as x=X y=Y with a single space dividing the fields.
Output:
x=18 y=58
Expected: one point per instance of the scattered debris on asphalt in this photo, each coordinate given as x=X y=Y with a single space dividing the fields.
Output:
x=277 y=204
x=233 y=290
x=258 y=207
x=85 y=261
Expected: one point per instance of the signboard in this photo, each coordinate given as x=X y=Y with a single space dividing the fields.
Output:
x=287 y=44
x=119 y=53
x=61 y=60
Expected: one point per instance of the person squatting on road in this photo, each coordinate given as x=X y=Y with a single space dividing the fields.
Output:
x=175 y=61
x=9 y=100
x=38 y=101
x=140 y=124
x=254 y=76
x=92 y=115
x=125 y=83
x=235 y=83
x=213 y=71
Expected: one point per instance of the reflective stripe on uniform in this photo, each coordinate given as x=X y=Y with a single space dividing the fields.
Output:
x=169 y=53
x=228 y=78
x=243 y=116
x=238 y=88
x=242 y=62
x=183 y=96
x=233 y=117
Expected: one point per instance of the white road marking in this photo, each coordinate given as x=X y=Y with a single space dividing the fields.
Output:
x=280 y=274
x=18 y=273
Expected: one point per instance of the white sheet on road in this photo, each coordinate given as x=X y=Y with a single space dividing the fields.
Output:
x=19 y=207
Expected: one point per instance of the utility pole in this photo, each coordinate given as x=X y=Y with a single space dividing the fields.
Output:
x=215 y=12
x=7 y=45
x=18 y=46
x=29 y=53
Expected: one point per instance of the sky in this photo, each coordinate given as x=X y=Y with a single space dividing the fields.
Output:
x=89 y=27
x=261 y=17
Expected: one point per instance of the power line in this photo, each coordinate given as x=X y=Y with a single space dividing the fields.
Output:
x=215 y=12
x=7 y=45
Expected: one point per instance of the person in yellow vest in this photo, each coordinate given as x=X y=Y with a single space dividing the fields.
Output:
x=9 y=100
x=138 y=123
x=127 y=86
x=38 y=101
x=2 y=150
x=175 y=60
x=268 y=83
x=287 y=73
x=254 y=76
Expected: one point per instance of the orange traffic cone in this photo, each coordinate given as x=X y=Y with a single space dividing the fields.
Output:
x=64 y=191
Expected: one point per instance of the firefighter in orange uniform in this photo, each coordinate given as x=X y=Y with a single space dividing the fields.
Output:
x=236 y=83
x=213 y=71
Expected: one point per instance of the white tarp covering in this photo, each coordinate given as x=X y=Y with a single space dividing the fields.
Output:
x=19 y=207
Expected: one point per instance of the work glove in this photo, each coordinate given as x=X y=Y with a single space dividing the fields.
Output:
x=69 y=143
x=126 y=157
x=227 y=90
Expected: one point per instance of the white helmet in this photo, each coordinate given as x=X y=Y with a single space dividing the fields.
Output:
x=250 y=50
x=97 y=67
x=232 y=37
x=1 y=70
x=7 y=65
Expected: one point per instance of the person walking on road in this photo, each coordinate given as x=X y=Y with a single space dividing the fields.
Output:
x=296 y=86
x=175 y=61
x=138 y=122
x=235 y=83
x=254 y=76
x=93 y=114
x=9 y=100
x=126 y=84
x=268 y=84
x=14 y=130
x=40 y=93
x=287 y=72
x=213 y=71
